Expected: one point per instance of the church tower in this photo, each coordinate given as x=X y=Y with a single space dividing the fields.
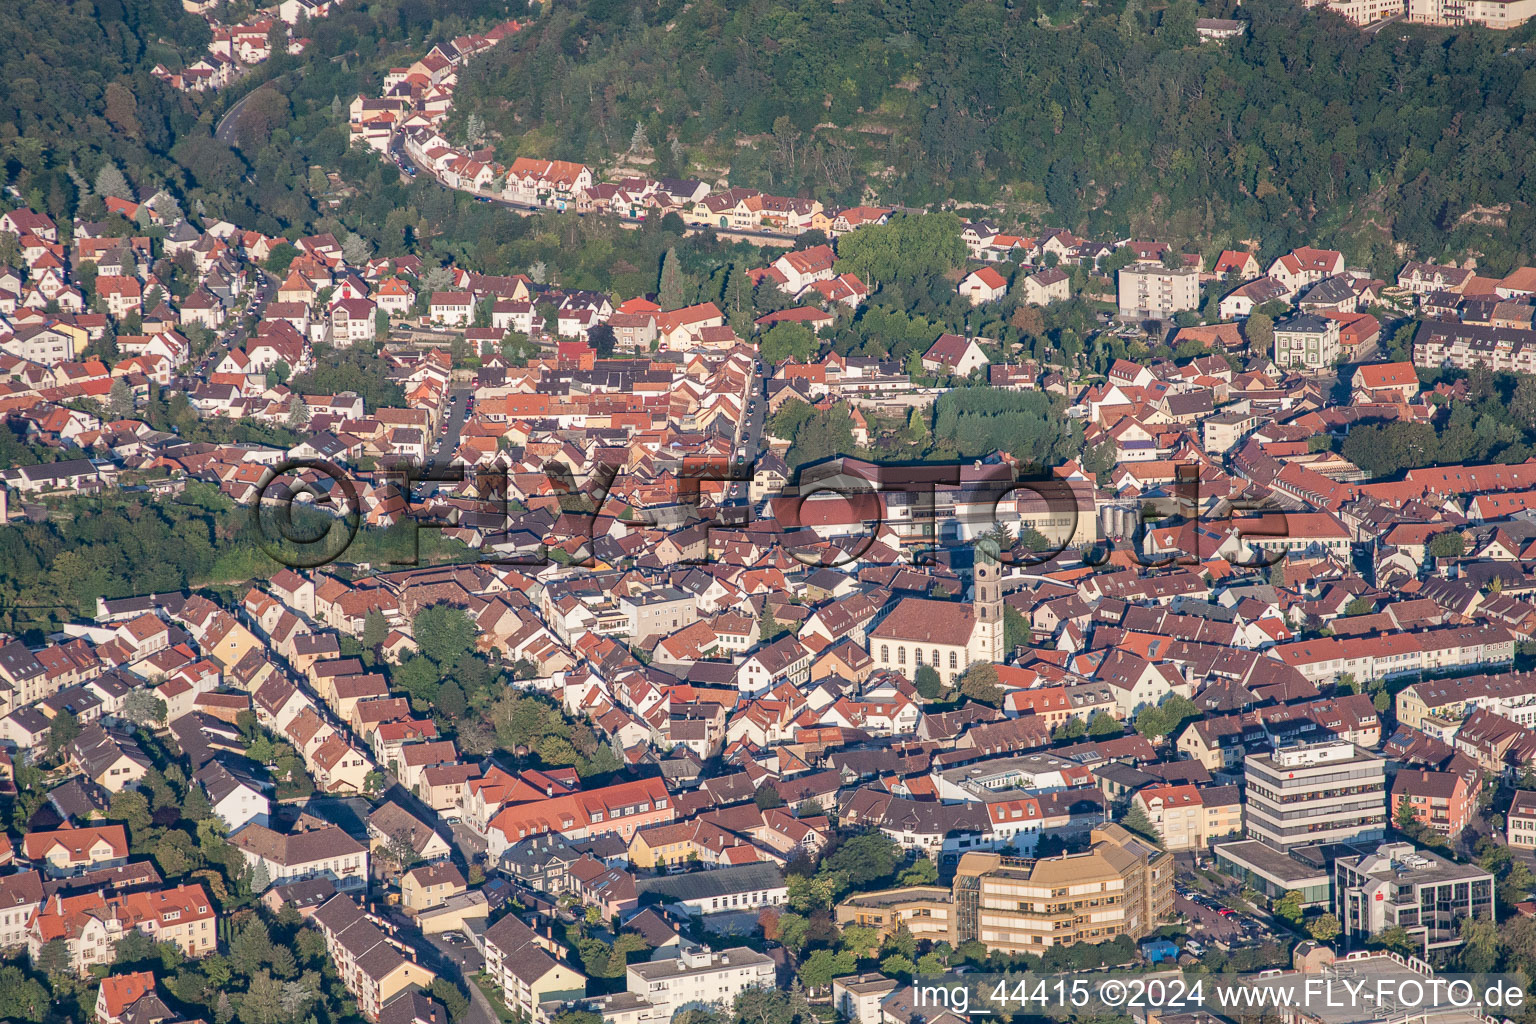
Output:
x=987 y=603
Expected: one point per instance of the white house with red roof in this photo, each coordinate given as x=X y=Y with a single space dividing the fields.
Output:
x=122 y=295
x=120 y=992
x=1385 y=382
x=25 y=222
x=394 y=296
x=804 y=267
x=1304 y=265
x=1234 y=264
x=982 y=286
x=456 y=309
x=680 y=328
x=955 y=355
x=352 y=322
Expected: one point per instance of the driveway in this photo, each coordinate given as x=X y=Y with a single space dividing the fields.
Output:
x=469 y=844
x=459 y=951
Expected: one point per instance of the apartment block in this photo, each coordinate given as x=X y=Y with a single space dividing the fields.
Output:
x=1442 y=801
x=371 y=965
x=924 y=910
x=1366 y=12
x=1494 y=14
x=524 y=970
x=1520 y=822
x=1327 y=792
x=1122 y=886
x=1400 y=886
x=699 y=977
x=1150 y=291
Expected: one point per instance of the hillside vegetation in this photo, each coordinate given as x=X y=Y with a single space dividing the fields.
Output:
x=1104 y=117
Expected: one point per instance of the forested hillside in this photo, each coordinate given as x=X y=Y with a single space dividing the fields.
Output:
x=75 y=93
x=1105 y=117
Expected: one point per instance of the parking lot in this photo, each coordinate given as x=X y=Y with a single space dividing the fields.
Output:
x=456 y=947
x=1208 y=921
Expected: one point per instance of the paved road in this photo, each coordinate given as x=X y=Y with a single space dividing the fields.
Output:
x=224 y=131
x=1372 y=30
x=441 y=458
x=234 y=336
x=749 y=443
x=480 y=1010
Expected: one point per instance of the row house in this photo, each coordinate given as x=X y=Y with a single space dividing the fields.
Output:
x=373 y=967
x=619 y=809
x=555 y=183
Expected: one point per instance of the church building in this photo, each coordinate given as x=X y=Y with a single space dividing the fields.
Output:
x=950 y=636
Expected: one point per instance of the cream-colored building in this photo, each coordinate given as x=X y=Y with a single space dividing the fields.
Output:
x=857 y=997
x=1520 y=822
x=1122 y=886
x=700 y=977
x=1150 y=291
x=1366 y=12
x=453 y=914
x=371 y=966
x=924 y=910
x=1495 y=14
x=1190 y=817
x=429 y=886
x=526 y=974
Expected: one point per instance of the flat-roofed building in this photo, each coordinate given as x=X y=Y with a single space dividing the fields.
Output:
x=1303 y=869
x=700 y=977
x=1123 y=885
x=927 y=911
x=1329 y=792
x=1398 y=885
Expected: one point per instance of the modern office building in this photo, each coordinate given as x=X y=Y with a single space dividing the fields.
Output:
x=1398 y=885
x=1327 y=792
x=1122 y=886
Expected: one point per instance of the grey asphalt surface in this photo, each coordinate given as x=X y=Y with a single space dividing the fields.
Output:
x=1208 y=923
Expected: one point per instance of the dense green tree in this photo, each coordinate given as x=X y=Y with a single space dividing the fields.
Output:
x=22 y=997
x=866 y=859
x=788 y=341
x=444 y=633
x=927 y=681
x=980 y=683
x=1259 y=330
x=1135 y=819
x=1103 y=725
